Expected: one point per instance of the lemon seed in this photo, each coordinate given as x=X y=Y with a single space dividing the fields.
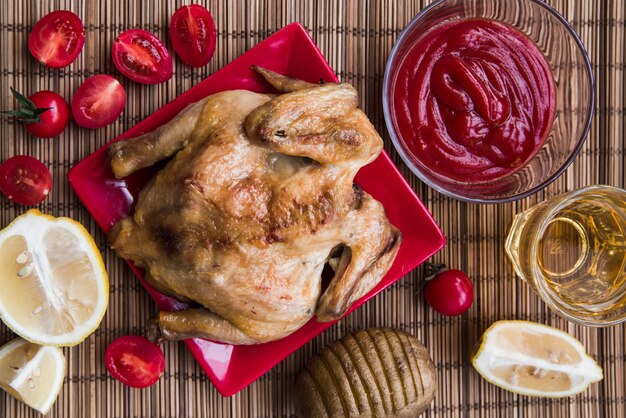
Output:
x=25 y=271
x=22 y=257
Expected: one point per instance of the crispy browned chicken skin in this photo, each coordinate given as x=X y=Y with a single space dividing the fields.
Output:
x=258 y=198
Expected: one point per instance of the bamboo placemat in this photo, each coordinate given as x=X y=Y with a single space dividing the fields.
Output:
x=356 y=38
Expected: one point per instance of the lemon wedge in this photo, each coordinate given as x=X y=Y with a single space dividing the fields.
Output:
x=32 y=373
x=55 y=289
x=534 y=359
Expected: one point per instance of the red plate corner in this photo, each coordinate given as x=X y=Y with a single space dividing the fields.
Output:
x=292 y=52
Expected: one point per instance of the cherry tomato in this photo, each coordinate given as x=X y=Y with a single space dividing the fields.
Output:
x=25 y=180
x=134 y=361
x=450 y=292
x=192 y=32
x=45 y=113
x=142 y=57
x=54 y=120
x=98 y=101
x=57 y=39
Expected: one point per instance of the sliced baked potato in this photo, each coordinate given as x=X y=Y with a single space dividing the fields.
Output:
x=381 y=372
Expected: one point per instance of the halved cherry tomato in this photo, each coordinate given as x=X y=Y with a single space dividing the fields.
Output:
x=98 y=101
x=142 y=57
x=25 y=180
x=134 y=361
x=450 y=292
x=57 y=39
x=192 y=32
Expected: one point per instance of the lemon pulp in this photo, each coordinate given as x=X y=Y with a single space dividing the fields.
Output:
x=55 y=287
x=32 y=373
x=534 y=359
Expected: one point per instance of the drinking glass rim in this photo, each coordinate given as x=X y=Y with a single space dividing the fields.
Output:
x=540 y=285
x=398 y=144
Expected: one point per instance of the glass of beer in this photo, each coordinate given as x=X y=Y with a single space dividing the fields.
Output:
x=571 y=250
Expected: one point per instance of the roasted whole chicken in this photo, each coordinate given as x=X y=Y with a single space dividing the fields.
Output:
x=257 y=199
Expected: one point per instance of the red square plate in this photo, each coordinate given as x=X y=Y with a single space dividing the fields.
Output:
x=292 y=52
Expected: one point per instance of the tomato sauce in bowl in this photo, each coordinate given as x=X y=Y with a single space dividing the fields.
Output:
x=474 y=99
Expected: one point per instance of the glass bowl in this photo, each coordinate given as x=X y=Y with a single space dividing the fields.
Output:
x=574 y=84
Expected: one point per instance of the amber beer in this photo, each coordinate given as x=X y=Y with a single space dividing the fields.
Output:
x=572 y=250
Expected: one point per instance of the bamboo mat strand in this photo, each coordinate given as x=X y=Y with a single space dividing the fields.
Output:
x=356 y=37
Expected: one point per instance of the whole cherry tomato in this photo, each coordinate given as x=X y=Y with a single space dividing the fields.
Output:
x=53 y=121
x=45 y=113
x=450 y=292
x=57 y=39
x=142 y=57
x=25 y=180
x=192 y=32
x=134 y=361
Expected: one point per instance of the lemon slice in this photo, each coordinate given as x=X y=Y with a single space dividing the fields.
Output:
x=32 y=373
x=54 y=285
x=533 y=359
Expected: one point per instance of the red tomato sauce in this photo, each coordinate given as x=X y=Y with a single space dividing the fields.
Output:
x=475 y=99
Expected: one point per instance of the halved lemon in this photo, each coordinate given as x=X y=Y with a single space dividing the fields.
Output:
x=55 y=289
x=32 y=373
x=534 y=359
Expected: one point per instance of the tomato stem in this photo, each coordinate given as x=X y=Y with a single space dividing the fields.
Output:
x=431 y=270
x=28 y=113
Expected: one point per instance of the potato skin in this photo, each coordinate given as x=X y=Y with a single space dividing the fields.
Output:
x=376 y=372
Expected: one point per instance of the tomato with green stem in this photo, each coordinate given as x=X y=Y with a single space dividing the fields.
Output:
x=448 y=291
x=45 y=113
